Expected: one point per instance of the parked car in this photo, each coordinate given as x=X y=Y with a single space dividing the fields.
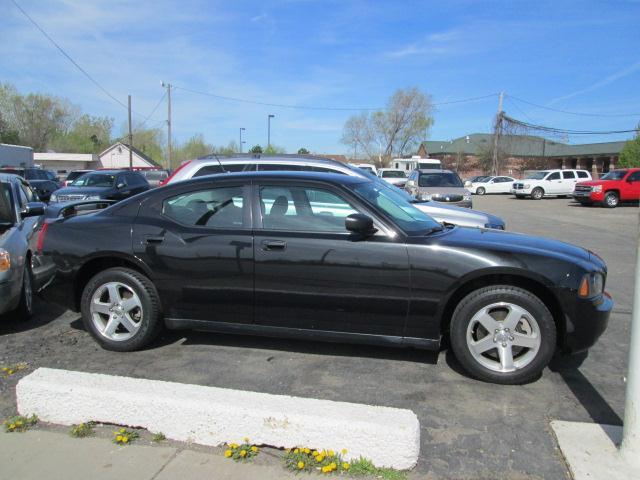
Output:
x=394 y=176
x=324 y=257
x=477 y=178
x=614 y=187
x=39 y=179
x=549 y=183
x=492 y=185
x=155 y=176
x=103 y=185
x=213 y=164
x=439 y=186
x=367 y=167
x=22 y=269
x=72 y=175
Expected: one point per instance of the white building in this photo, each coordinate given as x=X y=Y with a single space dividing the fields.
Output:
x=116 y=156
x=15 y=156
x=416 y=161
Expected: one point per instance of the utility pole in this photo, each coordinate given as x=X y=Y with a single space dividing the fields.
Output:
x=241 y=142
x=168 y=86
x=269 y=117
x=130 y=136
x=496 y=135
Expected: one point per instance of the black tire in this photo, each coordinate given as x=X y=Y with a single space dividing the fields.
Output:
x=480 y=191
x=611 y=200
x=537 y=193
x=483 y=297
x=25 y=306
x=151 y=318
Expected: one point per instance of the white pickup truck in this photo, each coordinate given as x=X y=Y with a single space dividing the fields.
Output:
x=549 y=183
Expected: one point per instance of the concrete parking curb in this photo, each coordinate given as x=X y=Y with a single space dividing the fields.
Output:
x=389 y=437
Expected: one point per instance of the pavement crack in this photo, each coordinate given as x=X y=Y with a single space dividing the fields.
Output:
x=171 y=459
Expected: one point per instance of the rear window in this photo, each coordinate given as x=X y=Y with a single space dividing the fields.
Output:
x=393 y=174
x=231 y=167
x=582 y=174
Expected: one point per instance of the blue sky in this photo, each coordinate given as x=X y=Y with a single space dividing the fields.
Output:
x=573 y=55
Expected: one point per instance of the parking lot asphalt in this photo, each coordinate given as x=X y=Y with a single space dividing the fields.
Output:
x=469 y=429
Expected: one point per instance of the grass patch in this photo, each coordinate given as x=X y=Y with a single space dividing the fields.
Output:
x=19 y=423
x=13 y=369
x=308 y=460
x=363 y=467
x=158 y=437
x=82 y=430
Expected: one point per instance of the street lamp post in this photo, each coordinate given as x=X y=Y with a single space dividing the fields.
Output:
x=269 y=117
x=241 y=142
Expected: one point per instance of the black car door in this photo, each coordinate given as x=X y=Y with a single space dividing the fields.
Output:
x=198 y=242
x=311 y=273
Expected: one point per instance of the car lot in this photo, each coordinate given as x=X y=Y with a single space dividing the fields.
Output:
x=469 y=429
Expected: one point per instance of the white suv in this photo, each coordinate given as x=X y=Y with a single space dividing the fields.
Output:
x=549 y=183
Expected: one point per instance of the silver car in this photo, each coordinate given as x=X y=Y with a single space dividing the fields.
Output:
x=214 y=164
x=22 y=270
x=442 y=186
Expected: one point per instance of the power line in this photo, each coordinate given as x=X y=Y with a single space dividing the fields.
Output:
x=583 y=114
x=84 y=72
x=153 y=111
x=315 y=107
x=560 y=130
x=511 y=102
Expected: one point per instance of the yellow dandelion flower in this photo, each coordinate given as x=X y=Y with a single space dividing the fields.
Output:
x=18 y=423
x=125 y=439
x=228 y=453
x=122 y=430
x=344 y=451
x=345 y=466
x=320 y=458
x=119 y=438
x=296 y=451
x=246 y=439
x=316 y=453
x=333 y=465
x=233 y=445
x=300 y=465
x=326 y=469
x=254 y=449
x=243 y=453
x=331 y=453
x=307 y=451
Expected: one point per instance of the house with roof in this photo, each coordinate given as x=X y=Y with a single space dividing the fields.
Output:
x=521 y=153
x=117 y=156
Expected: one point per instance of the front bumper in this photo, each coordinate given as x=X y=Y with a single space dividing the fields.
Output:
x=585 y=321
x=521 y=191
x=8 y=298
x=588 y=197
x=462 y=203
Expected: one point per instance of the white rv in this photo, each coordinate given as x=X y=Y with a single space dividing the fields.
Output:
x=416 y=162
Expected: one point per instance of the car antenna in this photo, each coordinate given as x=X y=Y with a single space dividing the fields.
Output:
x=219 y=162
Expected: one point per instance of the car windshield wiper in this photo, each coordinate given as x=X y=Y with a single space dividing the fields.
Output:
x=432 y=230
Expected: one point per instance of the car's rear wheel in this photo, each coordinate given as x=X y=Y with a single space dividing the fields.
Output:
x=480 y=191
x=121 y=309
x=537 y=193
x=25 y=307
x=611 y=200
x=503 y=334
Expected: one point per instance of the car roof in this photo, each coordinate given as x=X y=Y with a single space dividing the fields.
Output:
x=254 y=158
x=9 y=177
x=432 y=170
x=336 y=178
x=109 y=171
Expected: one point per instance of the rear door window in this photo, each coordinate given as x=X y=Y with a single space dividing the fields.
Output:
x=582 y=174
x=568 y=175
x=221 y=207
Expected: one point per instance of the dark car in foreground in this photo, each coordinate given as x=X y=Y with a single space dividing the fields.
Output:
x=22 y=270
x=324 y=257
x=103 y=185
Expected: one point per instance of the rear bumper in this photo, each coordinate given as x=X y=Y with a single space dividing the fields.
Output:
x=585 y=321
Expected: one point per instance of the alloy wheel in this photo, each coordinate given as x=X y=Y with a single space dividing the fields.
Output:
x=116 y=311
x=503 y=337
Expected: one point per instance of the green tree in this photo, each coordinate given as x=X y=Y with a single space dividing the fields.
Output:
x=150 y=141
x=88 y=134
x=630 y=154
x=256 y=149
x=303 y=151
x=395 y=131
x=273 y=150
x=194 y=147
x=7 y=135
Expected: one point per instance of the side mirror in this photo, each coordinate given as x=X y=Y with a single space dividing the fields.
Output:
x=120 y=185
x=360 y=223
x=410 y=183
x=32 y=209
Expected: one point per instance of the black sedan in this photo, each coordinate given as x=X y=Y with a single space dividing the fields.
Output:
x=103 y=185
x=324 y=257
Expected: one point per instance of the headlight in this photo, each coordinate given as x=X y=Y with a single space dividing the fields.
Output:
x=597 y=188
x=53 y=198
x=426 y=197
x=5 y=260
x=92 y=197
x=526 y=186
x=592 y=284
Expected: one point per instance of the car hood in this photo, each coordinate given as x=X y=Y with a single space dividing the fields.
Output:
x=83 y=190
x=499 y=240
x=593 y=183
x=458 y=215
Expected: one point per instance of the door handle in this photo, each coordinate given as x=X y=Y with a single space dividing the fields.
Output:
x=273 y=245
x=151 y=239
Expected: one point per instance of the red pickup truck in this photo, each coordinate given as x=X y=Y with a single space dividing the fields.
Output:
x=614 y=187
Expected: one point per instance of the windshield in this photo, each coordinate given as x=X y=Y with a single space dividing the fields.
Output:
x=393 y=174
x=440 y=179
x=392 y=203
x=366 y=169
x=614 y=175
x=537 y=175
x=481 y=179
x=94 y=180
x=6 y=212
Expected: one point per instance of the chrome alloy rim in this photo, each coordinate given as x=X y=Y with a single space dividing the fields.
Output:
x=503 y=337
x=116 y=311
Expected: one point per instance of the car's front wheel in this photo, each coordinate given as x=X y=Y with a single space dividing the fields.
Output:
x=121 y=309
x=537 y=193
x=611 y=200
x=503 y=334
x=480 y=191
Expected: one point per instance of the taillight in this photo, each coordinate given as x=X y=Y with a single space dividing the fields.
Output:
x=41 y=235
x=168 y=179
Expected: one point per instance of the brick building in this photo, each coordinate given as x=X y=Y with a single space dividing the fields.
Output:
x=520 y=153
